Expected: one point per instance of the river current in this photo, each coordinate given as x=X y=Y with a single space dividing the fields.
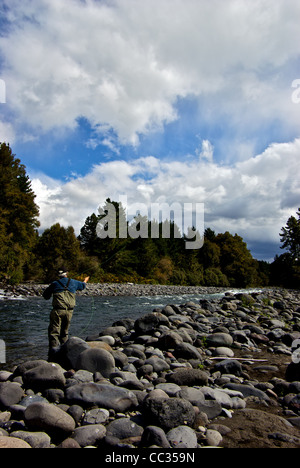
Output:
x=24 y=322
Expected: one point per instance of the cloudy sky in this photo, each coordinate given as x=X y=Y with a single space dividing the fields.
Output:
x=189 y=101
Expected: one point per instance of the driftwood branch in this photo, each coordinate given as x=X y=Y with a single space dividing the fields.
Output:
x=237 y=359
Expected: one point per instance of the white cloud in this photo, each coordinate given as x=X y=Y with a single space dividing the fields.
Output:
x=125 y=64
x=7 y=134
x=206 y=152
x=254 y=198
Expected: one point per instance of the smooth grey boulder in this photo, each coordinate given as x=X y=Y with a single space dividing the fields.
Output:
x=157 y=363
x=219 y=339
x=124 y=428
x=96 y=360
x=11 y=393
x=248 y=390
x=102 y=395
x=87 y=436
x=188 y=377
x=45 y=375
x=154 y=435
x=148 y=323
x=182 y=437
x=48 y=417
x=229 y=366
x=193 y=395
x=187 y=351
x=68 y=353
x=34 y=439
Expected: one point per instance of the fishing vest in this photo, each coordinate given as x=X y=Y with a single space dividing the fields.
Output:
x=64 y=300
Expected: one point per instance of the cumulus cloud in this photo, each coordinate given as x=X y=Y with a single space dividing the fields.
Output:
x=7 y=133
x=125 y=68
x=123 y=65
x=207 y=151
x=254 y=198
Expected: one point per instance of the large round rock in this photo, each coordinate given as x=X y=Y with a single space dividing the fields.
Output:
x=182 y=437
x=12 y=443
x=219 y=339
x=186 y=351
x=48 y=417
x=25 y=366
x=169 y=340
x=229 y=366
x=124 y=428
x=169 y=413
x=101 y=395
x=154 y=435
x=11 y=393
x=148 y=323
x=34 y=439
x=43 y=376
x=68 y=354
x=194 y=395
x=189 y=377
x=96 y=360
x=87 y=436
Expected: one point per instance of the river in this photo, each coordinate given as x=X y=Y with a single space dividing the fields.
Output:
x=24 y=322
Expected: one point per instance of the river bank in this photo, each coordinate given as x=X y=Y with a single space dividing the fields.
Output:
x=110 y=289
x=219 y=372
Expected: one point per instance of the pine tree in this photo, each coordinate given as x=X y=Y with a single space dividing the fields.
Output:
x=290 y=236
x=58 y=247
x=285 y=270
x=236 y=261
x=88 y=237
x=19 y=216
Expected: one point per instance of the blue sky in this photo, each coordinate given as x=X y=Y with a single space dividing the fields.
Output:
x=161 y=101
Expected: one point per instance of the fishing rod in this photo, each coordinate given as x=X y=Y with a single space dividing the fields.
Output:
x=93 y=309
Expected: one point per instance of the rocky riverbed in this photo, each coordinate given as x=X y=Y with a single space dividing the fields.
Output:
x=110 y=289
x=218 y=373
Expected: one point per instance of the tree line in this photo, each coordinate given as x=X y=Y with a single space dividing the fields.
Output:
x=224 y=260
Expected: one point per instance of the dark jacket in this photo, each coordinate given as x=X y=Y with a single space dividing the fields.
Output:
x=56 y=287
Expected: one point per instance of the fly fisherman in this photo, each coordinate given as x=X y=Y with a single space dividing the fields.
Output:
x=63 y=291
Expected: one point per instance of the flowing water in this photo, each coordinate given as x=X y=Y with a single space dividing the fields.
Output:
x=24 y=322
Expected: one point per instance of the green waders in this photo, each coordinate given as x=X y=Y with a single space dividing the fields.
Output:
x=58 y=330
x=60 y=317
